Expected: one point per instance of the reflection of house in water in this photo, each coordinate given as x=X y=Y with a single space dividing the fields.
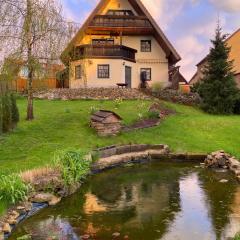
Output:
x=137 y=207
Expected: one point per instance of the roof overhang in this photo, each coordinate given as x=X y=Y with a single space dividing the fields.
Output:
x=168 y=48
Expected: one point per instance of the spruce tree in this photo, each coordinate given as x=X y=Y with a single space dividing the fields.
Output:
x=218 y=88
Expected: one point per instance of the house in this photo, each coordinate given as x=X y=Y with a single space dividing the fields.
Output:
x=119 y=44
x=232 y=41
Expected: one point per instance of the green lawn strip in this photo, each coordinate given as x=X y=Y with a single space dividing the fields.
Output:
x=60 y=125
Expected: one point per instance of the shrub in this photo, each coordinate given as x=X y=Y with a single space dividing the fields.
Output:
x=12 y=188
x=6 y=113
x=156 y=87
x=152 y=115
x=14 y=110
x=237 y=236
x=73 y=165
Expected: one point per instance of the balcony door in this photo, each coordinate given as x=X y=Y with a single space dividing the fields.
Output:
x=128 y=76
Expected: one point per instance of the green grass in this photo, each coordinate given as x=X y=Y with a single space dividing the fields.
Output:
x=59 y=125
x=237 y=237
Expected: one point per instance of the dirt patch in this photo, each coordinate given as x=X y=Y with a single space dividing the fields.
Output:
x=141 y=124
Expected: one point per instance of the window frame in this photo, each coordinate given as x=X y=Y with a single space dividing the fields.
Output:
x=76 y=72
x=145 y=70
x=108 y=71
x=114 y=12
x=144 y=48
x=103 y=41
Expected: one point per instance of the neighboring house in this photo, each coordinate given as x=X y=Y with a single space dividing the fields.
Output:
x=120 y=43
x=46 y=78
x=234 y=42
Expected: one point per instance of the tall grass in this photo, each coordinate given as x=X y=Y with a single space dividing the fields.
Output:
x=237 y=237
x=13 y=189
x=74 y=165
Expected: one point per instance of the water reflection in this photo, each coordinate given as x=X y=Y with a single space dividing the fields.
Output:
x=146 y=202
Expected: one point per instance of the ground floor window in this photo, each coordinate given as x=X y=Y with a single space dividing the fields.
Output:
x=146 y=73
x=78 y=72
x=103 y=71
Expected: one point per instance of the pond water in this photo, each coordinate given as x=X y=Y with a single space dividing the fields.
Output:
x=144 y=202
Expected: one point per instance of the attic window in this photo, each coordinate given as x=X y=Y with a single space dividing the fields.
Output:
x=120 y=12
x=106 y=41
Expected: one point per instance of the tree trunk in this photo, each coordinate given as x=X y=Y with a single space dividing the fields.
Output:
x=29 y=61
x=30 y=97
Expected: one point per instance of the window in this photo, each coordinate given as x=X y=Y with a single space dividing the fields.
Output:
x=120 y=12
x=146 y=46
x=24 y=72
x=106 y=41
x=103 y=71
x=147 y=72
x=78 y=72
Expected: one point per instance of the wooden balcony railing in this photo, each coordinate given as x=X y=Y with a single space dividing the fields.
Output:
x=120 y=21
x=104 y=51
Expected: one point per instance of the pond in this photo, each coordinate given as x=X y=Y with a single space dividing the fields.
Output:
x=143 y=202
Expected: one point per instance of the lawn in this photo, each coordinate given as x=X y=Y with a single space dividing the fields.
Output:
x=65 y=124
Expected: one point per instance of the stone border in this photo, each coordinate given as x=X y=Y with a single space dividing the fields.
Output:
x=114 y=156
x=109 y=157
x=221 y=159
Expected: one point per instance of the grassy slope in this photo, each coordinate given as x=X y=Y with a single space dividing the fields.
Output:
x=64 y=124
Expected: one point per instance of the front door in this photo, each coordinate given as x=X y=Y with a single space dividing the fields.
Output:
x=128 y=76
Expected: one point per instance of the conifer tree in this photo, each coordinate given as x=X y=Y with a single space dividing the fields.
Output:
x=218 y=89
x=14 y=110
x=6 y=113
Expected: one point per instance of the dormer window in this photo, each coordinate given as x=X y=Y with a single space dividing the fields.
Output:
x=120 y=12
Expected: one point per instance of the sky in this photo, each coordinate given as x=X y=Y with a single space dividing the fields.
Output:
x=188 y=24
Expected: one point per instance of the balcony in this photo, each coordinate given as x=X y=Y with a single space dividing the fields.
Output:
x=105 y=51
x=129 y=25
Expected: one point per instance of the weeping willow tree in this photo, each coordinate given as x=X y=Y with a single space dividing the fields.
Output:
x=34 y=31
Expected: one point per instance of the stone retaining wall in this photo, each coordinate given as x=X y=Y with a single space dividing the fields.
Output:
x=190 y=99
x=113 y=156
x=91 y=93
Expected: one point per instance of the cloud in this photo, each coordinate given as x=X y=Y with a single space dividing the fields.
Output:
x=190 y=48
x=165 y=11
x=227 y=5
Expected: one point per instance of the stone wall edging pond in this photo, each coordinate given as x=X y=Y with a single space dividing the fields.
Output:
x=108 y=157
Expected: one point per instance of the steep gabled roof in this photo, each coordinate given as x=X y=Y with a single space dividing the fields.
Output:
x=168 y=48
